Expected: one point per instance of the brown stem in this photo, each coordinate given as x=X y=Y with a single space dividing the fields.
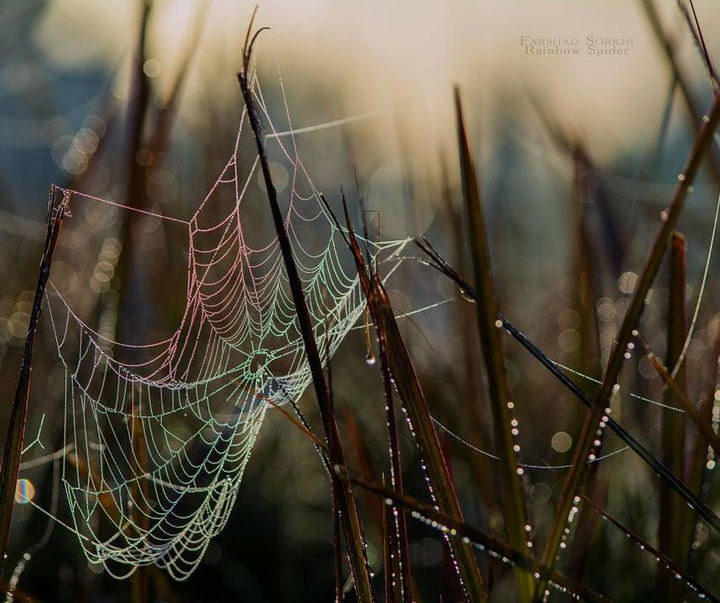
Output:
x=341 y=489
x=57 y=207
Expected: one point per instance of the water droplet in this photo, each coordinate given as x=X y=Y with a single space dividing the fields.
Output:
x=664 y=215
x=370 y=359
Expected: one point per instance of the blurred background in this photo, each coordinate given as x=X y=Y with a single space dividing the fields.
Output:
x=580 y=128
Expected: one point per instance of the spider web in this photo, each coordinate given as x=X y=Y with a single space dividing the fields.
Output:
x=157 y=435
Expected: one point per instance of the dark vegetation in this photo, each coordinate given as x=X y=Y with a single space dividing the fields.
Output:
x=410 y=510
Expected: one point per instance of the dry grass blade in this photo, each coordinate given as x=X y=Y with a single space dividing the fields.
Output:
x=672 y=509
x=459 y=529
x=57 y=206
x=669 y=219
x=510 y=472
x=402 y=586
x=418 y=414
x=342 y=493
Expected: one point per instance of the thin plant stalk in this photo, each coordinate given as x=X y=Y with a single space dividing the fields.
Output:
x=347 y=509
x=403 y=588
x=57 y=207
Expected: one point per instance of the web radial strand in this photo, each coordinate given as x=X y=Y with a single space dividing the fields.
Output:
x=157 y=435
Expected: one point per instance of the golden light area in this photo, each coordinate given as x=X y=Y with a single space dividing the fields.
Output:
x=580 y=61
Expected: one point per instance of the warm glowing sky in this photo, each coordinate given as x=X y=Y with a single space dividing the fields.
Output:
x=378 y=52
